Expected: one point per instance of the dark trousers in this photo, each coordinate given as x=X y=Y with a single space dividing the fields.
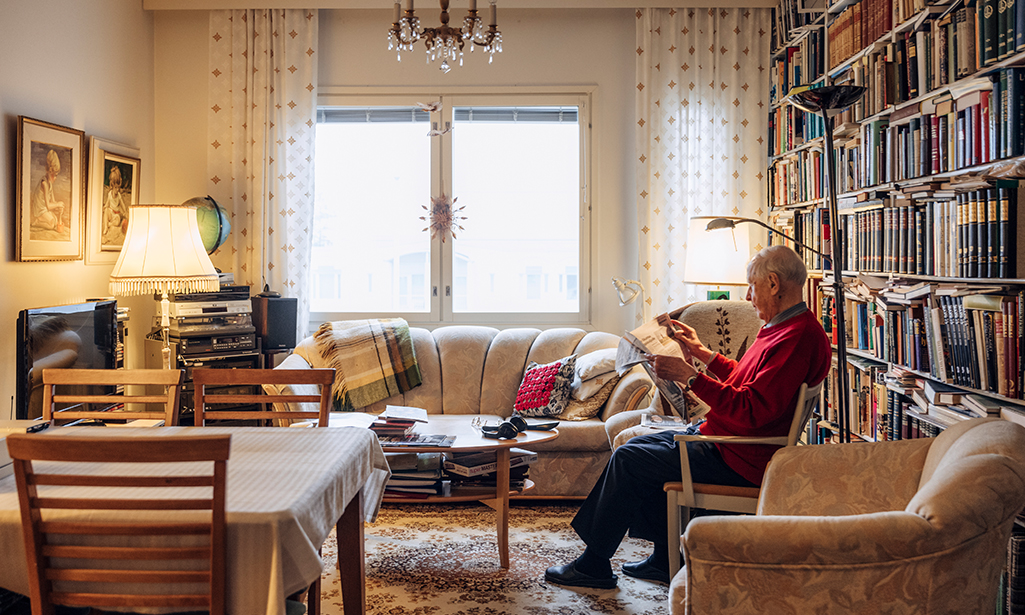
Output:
x=629 y=497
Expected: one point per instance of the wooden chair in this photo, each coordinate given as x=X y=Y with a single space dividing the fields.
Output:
x=684 y=495
x=77 y=558
x=280 y=393
x=170 y=379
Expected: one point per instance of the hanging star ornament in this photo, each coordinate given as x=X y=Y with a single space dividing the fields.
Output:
x=442 y=218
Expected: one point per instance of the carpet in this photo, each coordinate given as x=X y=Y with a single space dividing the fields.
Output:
x=436 y=559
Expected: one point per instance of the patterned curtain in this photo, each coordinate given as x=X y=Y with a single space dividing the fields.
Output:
x=261 y=126
x=702 y=105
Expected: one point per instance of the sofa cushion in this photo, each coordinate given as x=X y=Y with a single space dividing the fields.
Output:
x=545 y=389
x=577 y=410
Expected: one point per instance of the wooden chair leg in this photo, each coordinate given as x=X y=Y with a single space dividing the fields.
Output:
x=313 y=599
x=678 y=516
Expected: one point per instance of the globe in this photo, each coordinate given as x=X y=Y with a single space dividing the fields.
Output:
x=214 y=222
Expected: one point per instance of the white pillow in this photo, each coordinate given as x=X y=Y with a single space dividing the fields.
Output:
x=592 y=367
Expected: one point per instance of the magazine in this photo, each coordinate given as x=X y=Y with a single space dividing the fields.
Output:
x=662 y=421
x=655 y=337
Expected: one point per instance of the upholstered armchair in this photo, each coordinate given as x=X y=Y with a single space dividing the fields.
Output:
x=728 y=327
x=916 y=526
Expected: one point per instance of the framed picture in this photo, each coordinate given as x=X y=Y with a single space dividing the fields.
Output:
x=113 y=186
x=50 y=191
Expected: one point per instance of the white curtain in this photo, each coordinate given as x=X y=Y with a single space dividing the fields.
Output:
x=702 y=105
x=261 y=126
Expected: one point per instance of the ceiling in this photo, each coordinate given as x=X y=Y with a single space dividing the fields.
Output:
x=162 y=5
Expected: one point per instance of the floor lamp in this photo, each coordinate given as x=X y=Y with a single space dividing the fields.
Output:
x=829 y=101
x=163 y=253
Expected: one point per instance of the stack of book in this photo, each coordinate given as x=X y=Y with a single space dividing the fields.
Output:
x=398 y=421
x=414 y=475
x=480 y=469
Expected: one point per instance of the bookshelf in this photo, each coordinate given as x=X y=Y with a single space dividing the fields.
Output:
x=927 y=166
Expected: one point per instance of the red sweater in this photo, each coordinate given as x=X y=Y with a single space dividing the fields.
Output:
x=756 y=396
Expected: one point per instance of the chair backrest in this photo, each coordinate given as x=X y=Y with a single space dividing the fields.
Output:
x=92 y=406
x=806 y=399
x=280 y=393
x=90 y=559
x=727 y=327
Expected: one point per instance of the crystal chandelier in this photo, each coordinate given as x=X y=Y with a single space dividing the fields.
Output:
x=444 y=42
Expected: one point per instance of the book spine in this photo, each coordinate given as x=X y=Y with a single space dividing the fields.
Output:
x=988 y=31
x=992 y=234
x=1006 y=249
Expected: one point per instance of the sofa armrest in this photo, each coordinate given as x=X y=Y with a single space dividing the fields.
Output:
x=629 y=393
x=802 y=480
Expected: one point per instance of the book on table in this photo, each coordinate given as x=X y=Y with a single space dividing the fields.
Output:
x=655 y=337
x=485 y=462
x=417 y=439
x=662 y=421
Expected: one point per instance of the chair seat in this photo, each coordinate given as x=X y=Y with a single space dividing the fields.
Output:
x=703 y=489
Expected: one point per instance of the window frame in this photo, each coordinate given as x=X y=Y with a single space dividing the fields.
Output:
x=441 y=253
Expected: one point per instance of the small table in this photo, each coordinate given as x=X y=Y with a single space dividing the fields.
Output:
x=469 y=439
x=286 y=489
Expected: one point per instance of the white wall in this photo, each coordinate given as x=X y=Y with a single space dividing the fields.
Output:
x=84 y=65
x=542 y=47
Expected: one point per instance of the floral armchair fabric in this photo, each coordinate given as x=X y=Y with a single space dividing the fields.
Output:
x=915 y=526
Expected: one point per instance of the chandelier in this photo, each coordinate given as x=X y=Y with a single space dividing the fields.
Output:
x=444 y=42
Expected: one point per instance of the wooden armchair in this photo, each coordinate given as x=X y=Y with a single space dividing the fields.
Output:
x=93 y=406
x=684 y=495
x=91 y=541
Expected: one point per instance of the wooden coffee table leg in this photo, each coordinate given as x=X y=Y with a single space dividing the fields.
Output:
x=502 y=506
x=351 y=567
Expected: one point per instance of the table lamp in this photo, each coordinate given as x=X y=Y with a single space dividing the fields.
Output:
x=829 y=101
x=716 y=259
x=163 y=253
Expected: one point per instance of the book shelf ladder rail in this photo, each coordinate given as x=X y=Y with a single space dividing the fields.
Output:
x=827 y=101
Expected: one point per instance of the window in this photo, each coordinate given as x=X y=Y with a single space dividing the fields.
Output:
x=516 y=167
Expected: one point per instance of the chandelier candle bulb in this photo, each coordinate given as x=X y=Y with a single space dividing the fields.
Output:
x=494 y=14
x=473 y=5
x=398 y=13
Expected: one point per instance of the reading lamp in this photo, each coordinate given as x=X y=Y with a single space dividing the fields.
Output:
x=716 y=259
x=163 y=253
x=628 y=290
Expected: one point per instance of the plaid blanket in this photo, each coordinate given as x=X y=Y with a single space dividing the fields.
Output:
x=373 y=360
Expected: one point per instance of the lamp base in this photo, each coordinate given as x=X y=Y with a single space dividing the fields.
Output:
x=718 y=295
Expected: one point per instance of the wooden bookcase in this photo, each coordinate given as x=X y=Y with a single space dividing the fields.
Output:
x=930 y=205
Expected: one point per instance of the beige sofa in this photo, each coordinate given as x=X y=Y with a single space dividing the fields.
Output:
x=914 y=526
x=477 y=370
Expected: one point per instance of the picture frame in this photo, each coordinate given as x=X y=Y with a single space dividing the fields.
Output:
x=110 y=164
x=50 y=193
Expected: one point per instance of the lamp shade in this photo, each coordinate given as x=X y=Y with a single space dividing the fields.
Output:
x=717 y=257
x=163 y=252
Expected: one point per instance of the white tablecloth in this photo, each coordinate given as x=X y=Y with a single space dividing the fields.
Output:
x=286 y=490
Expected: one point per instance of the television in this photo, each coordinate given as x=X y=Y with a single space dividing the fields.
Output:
x=80 y=336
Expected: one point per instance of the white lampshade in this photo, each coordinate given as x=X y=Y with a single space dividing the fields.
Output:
x=718 y=257
x=163 y=252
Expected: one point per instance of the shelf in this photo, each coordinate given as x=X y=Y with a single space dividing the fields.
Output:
x=461 y=494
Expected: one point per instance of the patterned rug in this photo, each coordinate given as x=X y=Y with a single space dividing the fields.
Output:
x=431 y=559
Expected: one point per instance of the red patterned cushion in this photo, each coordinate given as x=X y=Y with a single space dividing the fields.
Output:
x=545 y=389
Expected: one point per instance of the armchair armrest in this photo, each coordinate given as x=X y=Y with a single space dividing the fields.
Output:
x=754 y=540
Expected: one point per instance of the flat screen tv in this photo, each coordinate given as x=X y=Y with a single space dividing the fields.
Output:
x=81 y=336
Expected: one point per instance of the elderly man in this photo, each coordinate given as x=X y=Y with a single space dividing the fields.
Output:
x=754 y=396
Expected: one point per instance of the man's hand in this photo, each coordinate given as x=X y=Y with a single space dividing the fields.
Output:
x=692 y=346
x=671 y=368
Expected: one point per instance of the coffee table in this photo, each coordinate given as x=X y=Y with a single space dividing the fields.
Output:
x=469 y=439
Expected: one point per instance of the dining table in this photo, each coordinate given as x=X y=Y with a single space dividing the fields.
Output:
x=286 y=490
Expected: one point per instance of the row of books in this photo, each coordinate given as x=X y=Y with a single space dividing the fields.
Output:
x=973 y=234
x=796 y=178
x=974 y=341
x=796 y=65
x=789 y=127
x=421 y=475
x=788 y=17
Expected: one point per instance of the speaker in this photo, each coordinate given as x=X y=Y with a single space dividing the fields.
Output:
x=275 y=320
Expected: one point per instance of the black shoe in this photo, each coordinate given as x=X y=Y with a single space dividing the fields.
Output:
x=646 y=570
x=569 y=575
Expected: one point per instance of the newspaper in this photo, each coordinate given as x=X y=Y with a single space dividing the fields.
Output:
x=654 y=337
